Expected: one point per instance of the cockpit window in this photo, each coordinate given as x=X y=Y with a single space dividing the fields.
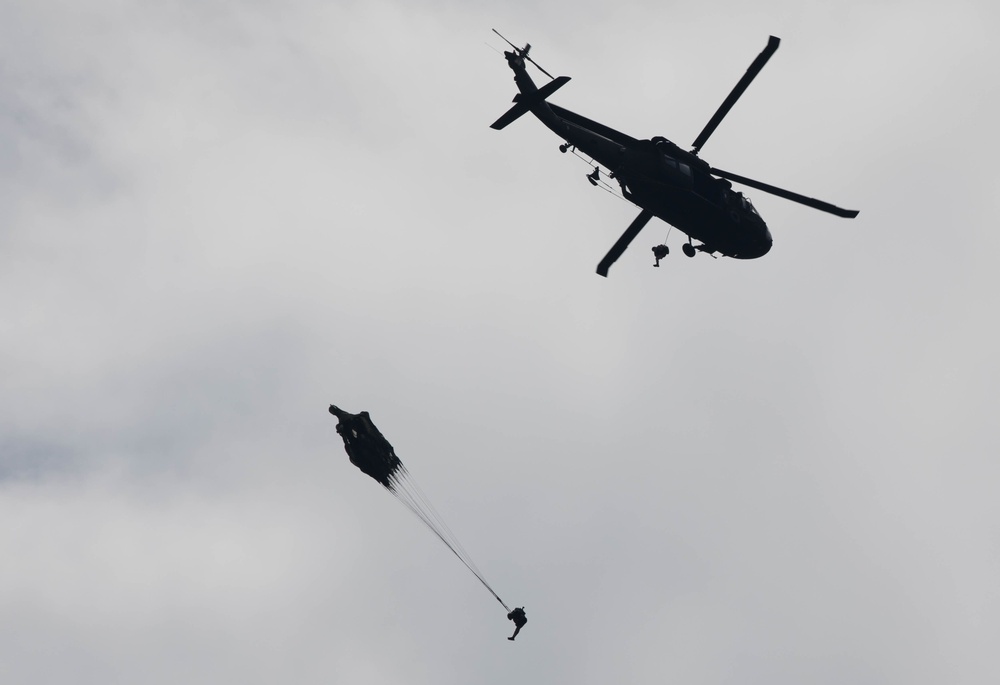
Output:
x=672 y=163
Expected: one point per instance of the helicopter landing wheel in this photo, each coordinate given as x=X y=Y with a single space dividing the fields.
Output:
x=564 y=148
x=689 y=249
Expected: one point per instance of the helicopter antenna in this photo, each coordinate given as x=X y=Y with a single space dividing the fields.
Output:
x=523 y=52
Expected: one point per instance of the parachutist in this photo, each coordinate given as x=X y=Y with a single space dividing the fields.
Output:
x=519 y=619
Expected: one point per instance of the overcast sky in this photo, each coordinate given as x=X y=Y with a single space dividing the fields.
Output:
x=217 y=218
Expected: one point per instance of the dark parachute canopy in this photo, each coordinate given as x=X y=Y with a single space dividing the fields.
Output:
x=371 y=452
x=367 y=447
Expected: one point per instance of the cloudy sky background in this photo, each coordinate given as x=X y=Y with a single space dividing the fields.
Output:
x=217 y=218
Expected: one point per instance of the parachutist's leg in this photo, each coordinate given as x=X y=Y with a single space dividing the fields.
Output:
x=517 y=629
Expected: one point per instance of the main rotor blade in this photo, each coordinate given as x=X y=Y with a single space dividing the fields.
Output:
x=788 y=195
x=507 y=41
x=623 y=242
x=755 y=67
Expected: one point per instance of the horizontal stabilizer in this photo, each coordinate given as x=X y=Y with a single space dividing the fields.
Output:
x=524 y=102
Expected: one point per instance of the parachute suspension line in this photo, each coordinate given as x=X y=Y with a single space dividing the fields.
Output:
x=410 y=494
x=449 y=537
x=406 y=490
x=442 y=524
x=373 y=455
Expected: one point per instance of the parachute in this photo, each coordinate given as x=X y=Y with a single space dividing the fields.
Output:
x=371 y=452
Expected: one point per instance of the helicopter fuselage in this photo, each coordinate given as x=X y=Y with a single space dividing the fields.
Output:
x=657 y=175
x=664 y=180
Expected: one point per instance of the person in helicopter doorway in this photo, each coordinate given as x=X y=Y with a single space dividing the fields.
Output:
x=519 y=619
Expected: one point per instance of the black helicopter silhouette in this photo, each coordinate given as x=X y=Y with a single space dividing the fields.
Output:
x=665 y=181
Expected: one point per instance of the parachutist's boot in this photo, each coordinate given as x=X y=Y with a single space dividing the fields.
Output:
x=511 y=639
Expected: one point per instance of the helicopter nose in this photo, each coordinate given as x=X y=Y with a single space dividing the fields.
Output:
x=758 y=247
x=768 y=241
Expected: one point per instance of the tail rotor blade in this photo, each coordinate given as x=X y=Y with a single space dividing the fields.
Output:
x=505 y=40
x=523 y=52
x=539 y=67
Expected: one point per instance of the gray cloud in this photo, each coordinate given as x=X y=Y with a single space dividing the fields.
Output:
x=217 y=220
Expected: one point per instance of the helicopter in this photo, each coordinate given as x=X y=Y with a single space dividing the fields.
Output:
x=657 y=175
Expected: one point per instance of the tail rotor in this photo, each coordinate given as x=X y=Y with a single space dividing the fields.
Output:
x=523 y=53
